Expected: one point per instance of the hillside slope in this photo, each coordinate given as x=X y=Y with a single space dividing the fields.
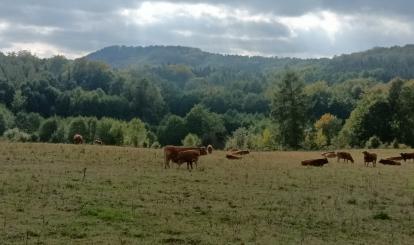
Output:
x=380 y=63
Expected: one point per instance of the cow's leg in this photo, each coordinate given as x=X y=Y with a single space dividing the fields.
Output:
x=166 y=160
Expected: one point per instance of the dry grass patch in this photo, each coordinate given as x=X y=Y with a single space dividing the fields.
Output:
x=126 y=197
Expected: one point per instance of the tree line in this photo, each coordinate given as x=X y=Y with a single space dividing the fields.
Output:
x=49 y=100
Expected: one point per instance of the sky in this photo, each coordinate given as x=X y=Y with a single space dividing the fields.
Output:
x=294 y=28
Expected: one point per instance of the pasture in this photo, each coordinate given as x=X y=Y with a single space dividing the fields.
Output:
x=82 y=194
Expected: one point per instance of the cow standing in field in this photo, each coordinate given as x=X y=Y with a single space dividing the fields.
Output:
x=370 y=157
x=171 y=153
x=315 y=162
x=346 y=156
x=189 y=157
x=78 y=139
x=407 y=156
x=98 y=142
x=210 y=149
x=389 y=162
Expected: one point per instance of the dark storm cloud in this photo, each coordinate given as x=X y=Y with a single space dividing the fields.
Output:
x=304 y=28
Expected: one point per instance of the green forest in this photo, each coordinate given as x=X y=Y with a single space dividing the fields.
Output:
x=155 y=96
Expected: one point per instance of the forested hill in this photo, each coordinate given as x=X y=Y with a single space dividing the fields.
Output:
x=177 y=95
x=379 y=63
x=125 y=57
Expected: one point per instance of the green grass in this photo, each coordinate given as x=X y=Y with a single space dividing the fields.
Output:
x=127 y=197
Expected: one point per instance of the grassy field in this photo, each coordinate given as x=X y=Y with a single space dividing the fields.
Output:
x=126 y=197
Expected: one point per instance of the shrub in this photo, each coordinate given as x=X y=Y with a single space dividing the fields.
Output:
x=373 y=143
x=136 y=133
x=16 y=135
x=28 y=122
x=59 y=135
x=191 y=140
x=155 y=145
x=2 y=124
x=47 y=129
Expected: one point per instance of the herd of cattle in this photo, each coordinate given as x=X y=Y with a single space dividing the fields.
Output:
x=190 y=155
x=368 y=158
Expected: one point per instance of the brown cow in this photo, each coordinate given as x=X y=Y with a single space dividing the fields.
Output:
x=370 y=157
x=394 y=158
x=407 y=156
x=389 y=162
x=171 y=152
x=241 y=152
x=330 y=154
x=233 y=157
x=189 y=156
x=210 y=149
x=78 y=139
x=346 y=156
x=315 y=162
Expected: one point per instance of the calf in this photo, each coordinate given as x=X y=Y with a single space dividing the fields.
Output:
x=315 y=162
x=407 y=156
x=346 y=156
x=98 y=142
x=189 y=156
x=389 y=162
x=370 y=157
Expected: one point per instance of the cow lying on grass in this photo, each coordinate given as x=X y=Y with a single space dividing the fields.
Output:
x=394 y=158
x=389 y=162
x=241 y=152
x=346 y=156
x=233 y=157
x=370 y=157
x=315 y=162
x=407 y=156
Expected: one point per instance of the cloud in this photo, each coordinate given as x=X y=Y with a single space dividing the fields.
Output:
x=300 y=28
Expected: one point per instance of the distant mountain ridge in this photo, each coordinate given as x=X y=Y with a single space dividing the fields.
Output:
x=379 y=63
